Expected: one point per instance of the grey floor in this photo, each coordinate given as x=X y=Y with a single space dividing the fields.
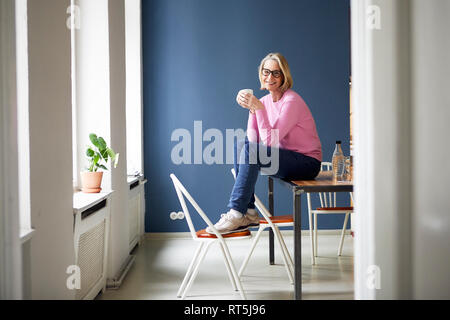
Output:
x=161 y=263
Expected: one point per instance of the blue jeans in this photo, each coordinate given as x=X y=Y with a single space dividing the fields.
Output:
x=251 y=158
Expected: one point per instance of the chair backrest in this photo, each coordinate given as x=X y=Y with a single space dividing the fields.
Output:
x=327 y=199
x=182 y=193
x=259 y=205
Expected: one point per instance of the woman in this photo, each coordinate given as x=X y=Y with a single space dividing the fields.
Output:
x=281 y=124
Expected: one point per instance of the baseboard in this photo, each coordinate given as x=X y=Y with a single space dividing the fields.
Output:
x=187 y=235
x=117 y=281
x=167 y=235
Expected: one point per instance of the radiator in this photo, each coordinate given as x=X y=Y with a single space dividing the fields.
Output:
x=91 y=246
x=134 y=215
x=136 y=211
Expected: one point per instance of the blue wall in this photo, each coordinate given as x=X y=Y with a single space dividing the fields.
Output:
x=197 y=54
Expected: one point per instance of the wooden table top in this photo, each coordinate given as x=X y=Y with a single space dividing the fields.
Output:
x=325 y=178
x=322 y=183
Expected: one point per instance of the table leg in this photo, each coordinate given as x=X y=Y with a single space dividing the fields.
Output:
x=297 y=245
x=271 y=237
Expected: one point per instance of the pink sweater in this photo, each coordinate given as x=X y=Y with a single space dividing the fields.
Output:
x=290 y=116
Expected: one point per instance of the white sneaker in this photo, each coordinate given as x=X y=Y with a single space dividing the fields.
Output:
x=252 y=218
x=229 y=223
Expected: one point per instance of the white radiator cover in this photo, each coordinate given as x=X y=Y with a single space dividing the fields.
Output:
x=136 y=211
x=91 y=248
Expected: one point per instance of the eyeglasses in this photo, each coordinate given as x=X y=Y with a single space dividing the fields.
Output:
x=275 y=73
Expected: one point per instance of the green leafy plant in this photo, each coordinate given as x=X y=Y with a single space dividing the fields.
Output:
x=99 y=154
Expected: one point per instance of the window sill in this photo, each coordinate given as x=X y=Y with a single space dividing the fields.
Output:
x=131 y=178
x=26 y=235
x=83 y=201
x=135 y=181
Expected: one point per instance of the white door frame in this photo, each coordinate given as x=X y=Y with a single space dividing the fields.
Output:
x=10 y=247
x=382 y=148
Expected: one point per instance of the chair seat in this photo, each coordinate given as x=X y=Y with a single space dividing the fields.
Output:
x=279 y=219
x=335 y=209
x=203 y=234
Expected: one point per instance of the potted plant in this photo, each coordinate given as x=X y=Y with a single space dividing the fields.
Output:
x=98 y=155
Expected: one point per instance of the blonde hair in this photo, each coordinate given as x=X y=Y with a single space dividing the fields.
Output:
x=284 y=66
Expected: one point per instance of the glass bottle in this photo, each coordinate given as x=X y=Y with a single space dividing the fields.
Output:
x=338 y=162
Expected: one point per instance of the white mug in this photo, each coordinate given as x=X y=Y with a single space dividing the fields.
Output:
x=251 y=92
x=247 y=91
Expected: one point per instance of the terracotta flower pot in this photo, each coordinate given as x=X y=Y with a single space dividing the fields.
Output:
x=91 y=181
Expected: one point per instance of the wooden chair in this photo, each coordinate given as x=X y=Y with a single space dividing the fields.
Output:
x=205 y=241
x=327 y=206
x=273 y=222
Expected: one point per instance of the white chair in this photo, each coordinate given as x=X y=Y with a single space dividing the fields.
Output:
x=327 y=206
x=273 y=222
x=205 y=241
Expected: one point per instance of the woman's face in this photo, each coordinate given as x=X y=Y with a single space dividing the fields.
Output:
x=272 y=75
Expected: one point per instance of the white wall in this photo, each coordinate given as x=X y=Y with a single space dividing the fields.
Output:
x=375 y=94
x=51 y=248
x=431 y=149
x=134 y=86
x=92 y=80
x=119 y=245
x=23 y=134
x=10 y=253
x=400 y=75
x=100 y=87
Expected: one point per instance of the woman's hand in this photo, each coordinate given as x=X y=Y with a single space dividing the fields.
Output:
x=249 y=101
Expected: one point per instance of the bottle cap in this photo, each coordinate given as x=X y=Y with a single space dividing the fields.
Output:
x=338 y=142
